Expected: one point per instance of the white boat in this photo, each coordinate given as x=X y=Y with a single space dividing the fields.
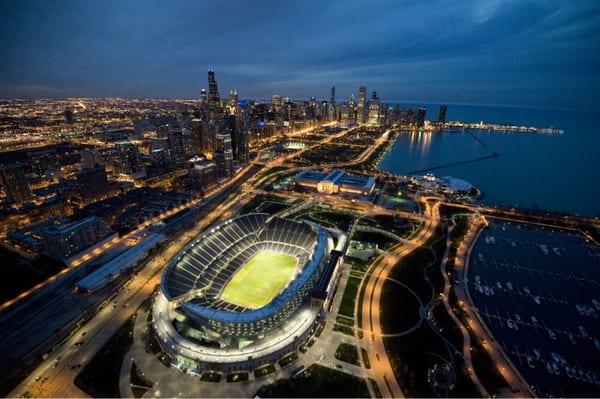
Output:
x=544 y=249
x=572 y=339
x=517 y=317
x=583 y=332
x=556 y=251
x=551 y=334
x=513 y=244
x=596 y=304
x=530 y=362
x=481 y=257
x=499 y=285
x=478 y=279
x=556 y=368
x=534 y=320
x=536 y=299
x=509 y=285
x=526 y=290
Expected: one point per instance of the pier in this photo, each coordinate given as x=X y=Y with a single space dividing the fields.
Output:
x=496 y=127
x=414 y=172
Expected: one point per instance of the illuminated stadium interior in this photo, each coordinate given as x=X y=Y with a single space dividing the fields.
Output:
x=241 y=286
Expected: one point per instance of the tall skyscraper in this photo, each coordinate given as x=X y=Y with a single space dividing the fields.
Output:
x=232 y=105
x=276 y=103
x=374 y=110
x=421 y=117
x=442 y=115
x=204 y=137
x=15 y=183
x=362 y=104
x=92 y=184
x=224 y=155
x=128 y=158
x=215 y=110
x=203 y=96
x=332 y=98
x=69 y=115
x=237 y=127
x=176 y=145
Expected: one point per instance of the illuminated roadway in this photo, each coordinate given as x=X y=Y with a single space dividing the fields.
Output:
x=382 y=371
x=60 y=375
x=56 y=372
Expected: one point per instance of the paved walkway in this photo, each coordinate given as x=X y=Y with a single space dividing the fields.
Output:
x=509 y=372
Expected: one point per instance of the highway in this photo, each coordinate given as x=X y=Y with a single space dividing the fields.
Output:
x=56 y=377
x=56 y=372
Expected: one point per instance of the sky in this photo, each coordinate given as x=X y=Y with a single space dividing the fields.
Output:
x=511 y=52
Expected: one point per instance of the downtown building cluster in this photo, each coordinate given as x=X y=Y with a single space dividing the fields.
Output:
x=127 y=161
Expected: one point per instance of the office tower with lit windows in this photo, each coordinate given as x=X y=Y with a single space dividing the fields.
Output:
x=202 y=174
x=203 y=135
x=442 y=115
x=92 y=184
x=128 y=160
x=276 y=104
x=232 y=105
x=175 y=143
x=15 y=183
x=374 y=110
x=421 y=117
x=224 y=155
x=215 y=109
x=63 y=239
x=237 y=127
x=362 y=104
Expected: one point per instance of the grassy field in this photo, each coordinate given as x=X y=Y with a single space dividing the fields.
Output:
x=259 y=280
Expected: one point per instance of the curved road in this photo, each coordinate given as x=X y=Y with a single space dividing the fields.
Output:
x=383 y=372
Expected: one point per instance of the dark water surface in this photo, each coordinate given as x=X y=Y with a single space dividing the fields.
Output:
x=538 y=291
x=555 y=172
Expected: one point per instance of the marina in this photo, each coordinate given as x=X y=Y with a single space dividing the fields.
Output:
x=538 y=292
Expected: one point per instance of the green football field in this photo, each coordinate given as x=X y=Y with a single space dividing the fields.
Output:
x=257 y=282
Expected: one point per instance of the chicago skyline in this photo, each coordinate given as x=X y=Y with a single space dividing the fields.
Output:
x=493 y=52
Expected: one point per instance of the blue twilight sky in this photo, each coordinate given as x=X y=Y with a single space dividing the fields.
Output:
x=518 y=52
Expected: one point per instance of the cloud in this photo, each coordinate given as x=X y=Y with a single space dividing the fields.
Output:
x=434 y=49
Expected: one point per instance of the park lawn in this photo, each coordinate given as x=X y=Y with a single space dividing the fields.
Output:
x=257 y=282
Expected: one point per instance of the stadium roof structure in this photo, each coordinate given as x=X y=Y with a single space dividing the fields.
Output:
x=197 y=275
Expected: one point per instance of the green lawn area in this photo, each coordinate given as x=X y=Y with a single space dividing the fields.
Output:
x=349 y=297
x=347 y=353
x=260 y=279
